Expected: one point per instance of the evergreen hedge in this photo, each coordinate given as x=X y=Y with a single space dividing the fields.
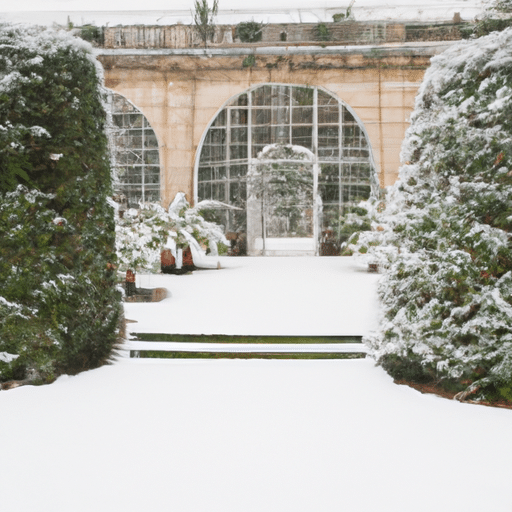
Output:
x=445 y=235
x=59 y=307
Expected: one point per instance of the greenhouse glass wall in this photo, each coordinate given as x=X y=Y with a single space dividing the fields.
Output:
x=232 y=165
x=134 y=152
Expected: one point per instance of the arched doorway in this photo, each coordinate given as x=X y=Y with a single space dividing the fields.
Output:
x=289 y=115
x=282 y=202
x=134 y=151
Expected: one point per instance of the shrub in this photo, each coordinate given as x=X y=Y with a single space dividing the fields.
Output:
x=57 y=256
x=445 y=230
x=204 y=17
x=92 y=34
x=249 y=31
x=322 y=32
x=249 y=61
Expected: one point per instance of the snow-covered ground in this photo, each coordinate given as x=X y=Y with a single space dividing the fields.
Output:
x=251 y=435
x=263 y=296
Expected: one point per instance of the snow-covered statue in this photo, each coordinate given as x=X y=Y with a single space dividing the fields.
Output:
x=194 y=232
x=142 y=234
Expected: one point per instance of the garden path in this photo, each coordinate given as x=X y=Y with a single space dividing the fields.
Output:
x=307 y=296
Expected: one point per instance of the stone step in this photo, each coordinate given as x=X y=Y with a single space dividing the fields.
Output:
x=191 y=350
x=169 y=346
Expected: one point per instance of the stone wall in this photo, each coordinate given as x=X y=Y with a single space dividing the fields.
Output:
x=181 y=94
x=344 y=33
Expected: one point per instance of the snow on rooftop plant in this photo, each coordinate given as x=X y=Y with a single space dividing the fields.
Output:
x=445 y=233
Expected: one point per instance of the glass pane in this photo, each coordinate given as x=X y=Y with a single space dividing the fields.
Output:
x=261 y=116
x=217 y=153
x=346 y=171
x=151 y=178
x=242 y=100
x=237 y=152
x=238 y=170
x=150 y=140
x=134 y=120
x=280 y=134
x=151 y=157
x=238 y=222
x=218 y=172
x=153 y=195
x=217 y=136
x=358 y=193
x=303 y=96
x=134 y=138
x=284 y=114
x=328 y=136
x=135 y=151
x=326 y=99
x=219 y=192
x=204 y=191
x=330 y=216
x=234 y=192
x=348 y=117
x=220 y=120
x=329 y=193
x=133 y=157
x=205 y=173
x=328 y=115
x=350 y=136
x=302 y=136
x=238 y=116
x=134 y=176
x=302 y=115
x=239 y=135
x=361 y=171
x=205 y=154
x=281 y=115
x=261 y=135
x=257 y=148
x=329 y=173
x=262 y=95
x=356 y=153
x=280 y=95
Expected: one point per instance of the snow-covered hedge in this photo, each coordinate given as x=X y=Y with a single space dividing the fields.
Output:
x=445 y=234
x=59 y=307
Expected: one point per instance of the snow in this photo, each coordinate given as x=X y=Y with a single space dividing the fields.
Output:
x=251 y=435
x=263 y=296
x=247 y=347
x=6 y=357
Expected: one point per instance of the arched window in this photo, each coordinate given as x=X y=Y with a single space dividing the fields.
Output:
x=291 y=115
x=134 y=152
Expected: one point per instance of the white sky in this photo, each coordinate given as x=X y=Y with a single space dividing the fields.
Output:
x=364 y=8
x=169 y=12
x=126 y=5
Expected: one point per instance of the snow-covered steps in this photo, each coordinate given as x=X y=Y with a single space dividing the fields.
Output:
x=240 y=353
x=280 y=347
x=241 y=339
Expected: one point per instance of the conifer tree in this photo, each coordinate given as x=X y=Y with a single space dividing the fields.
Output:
x=204 y=19
x=445 y=236
x=59 y=306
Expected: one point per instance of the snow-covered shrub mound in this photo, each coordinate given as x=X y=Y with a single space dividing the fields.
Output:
x=142 y=234
x=59 y=307
x=445 y=234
